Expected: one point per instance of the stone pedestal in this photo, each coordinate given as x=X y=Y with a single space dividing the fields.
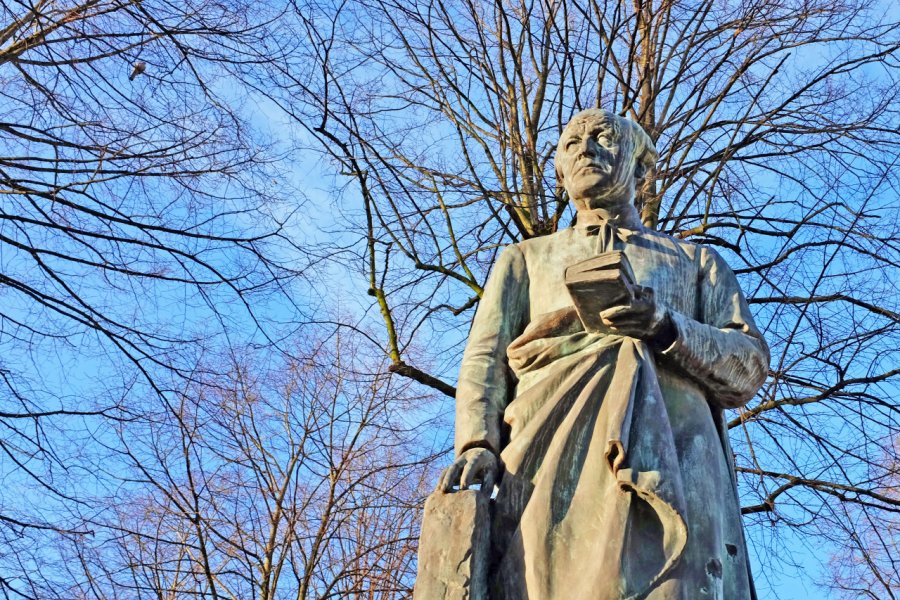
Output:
x=454 y=547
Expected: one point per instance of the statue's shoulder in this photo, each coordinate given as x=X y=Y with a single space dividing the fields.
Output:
x=541 y=244
x=705 y=257
x=663 y=241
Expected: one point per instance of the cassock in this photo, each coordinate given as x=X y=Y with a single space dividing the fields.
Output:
x=618 y=480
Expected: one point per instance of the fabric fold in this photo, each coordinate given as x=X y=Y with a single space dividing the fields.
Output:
x=591 y=453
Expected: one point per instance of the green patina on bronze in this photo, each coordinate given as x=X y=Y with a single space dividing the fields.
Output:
x=608 y=442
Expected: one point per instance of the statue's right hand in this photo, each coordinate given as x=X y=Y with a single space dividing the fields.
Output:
x=475 y=465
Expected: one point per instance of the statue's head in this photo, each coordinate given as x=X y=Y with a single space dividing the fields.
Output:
x=600 y=157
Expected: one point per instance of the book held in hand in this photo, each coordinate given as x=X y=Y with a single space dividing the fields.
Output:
x=599 y=283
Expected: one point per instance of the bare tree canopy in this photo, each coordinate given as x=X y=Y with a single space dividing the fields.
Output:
x=156 y=441
x=138 y=221
x=292 y=480
x=776 y=124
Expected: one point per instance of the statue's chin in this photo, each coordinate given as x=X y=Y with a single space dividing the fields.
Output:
x=600 y=190
x=591 y=182
x=606 y=201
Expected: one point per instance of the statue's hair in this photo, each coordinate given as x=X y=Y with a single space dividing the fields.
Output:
x=642 y=146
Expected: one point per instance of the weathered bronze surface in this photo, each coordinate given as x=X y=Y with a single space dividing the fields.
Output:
x=608 y=442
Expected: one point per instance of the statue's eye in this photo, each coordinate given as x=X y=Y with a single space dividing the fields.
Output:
x=571 y=143
x=603 y=140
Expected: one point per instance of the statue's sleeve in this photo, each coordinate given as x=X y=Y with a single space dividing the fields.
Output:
x=485 y=382
x=722 y=349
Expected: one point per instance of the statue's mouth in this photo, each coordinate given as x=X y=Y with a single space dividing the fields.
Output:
x=594 y=168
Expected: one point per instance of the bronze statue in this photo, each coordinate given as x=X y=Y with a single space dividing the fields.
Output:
x=595 y=398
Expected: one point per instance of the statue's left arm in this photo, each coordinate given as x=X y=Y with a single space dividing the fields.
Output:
x=484 y=376
x=721 y=349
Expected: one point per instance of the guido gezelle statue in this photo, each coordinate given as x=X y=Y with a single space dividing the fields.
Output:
x=592 y=388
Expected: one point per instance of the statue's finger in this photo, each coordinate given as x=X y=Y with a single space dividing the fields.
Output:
x=442 y=479
x=626 y=321
x=614 y=313
x=632 y=324
x=450 y=477
x=487 y=480
x=636 y=312
x=469 y=475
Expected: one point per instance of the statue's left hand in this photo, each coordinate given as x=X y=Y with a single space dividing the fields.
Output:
x=475 y=465
x=643 y=319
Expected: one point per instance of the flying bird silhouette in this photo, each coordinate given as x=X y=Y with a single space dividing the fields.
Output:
x=139 y=67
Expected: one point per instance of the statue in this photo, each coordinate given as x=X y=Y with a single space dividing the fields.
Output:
x=602 y=423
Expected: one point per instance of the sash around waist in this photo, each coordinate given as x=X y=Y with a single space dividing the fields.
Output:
x=573 y=441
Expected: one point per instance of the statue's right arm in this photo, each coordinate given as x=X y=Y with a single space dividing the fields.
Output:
x=723 y=351
x=485 y=382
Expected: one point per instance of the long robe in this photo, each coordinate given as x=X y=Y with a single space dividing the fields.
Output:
x=618 y=481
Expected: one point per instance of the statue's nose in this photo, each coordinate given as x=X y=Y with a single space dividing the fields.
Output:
x=588 y=147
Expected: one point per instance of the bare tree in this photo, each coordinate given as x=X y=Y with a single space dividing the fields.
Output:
x=138 y=219
x=301 y=480
x=869 y=542
x=136 y=189
x=776 y=126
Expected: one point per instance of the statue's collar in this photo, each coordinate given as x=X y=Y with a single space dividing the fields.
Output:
x=589 y=221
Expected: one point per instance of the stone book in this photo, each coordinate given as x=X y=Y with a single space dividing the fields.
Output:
x=454 y=547
x=599 y=283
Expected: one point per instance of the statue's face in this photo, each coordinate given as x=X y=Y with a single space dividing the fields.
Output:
x=596 y=161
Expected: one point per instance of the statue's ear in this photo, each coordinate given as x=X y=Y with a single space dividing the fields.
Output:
x=644 y=161
x=640 y=170
x=645 y=154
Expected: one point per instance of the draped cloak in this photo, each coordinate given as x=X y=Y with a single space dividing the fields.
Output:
x=618 y=480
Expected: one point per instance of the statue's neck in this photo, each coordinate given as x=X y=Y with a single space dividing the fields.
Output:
x=624 y=215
